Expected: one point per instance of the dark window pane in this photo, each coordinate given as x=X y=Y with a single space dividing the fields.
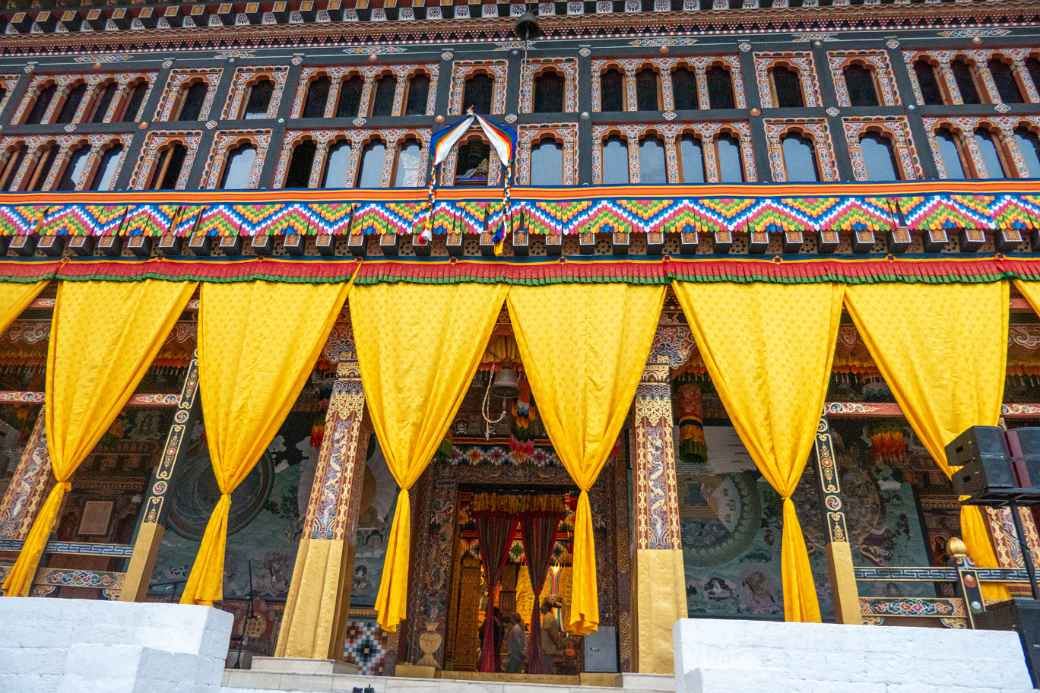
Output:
x=950 y=153
x=300 y=165
x=418 y=94
x=731 y=167
x=317 y=96
x=12 y=166
x=39 y=108
x=473 y=164
x=75 y=170
x=987 y=145
x=879 y=158
x=612 y=86
x=651 y=161
x=105 y=177
x=72 y=101
x=800 y=159
x=963 y=73
x=337 y=167
x=259 y=100
x=1004 y=78
x=646 y=90
x=383 y=103
x=615 y=161
x=926 y=79
x=372 y=159
x=194 y=97
x=134 y=103
x=548 y=93
x=43 y=168
x=409 y=165
x=102 y=102
x=547 y=163
x=692 y=155
x=477 y=94
x=171 y=165
x=350 y=97
x=720 y=87
x=788 y=88
x=684 y=89
x=1029 y=146
x=239 y=167
x=1033 y=68
x=860 y=83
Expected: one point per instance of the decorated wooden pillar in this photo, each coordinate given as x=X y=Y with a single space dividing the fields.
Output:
x=319 y=594
x=151 y=527
x=31 y=482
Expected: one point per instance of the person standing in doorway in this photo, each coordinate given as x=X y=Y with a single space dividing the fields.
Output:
x=552 y=638
x=516 y=644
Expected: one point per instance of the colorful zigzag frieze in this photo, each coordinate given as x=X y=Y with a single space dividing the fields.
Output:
x=20 y=220
x=939 y=212
x=83 y=220
x=149 y=220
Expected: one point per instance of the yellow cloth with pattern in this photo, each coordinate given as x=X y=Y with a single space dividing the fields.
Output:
x=104 y=336
x=15 y=298
x=584 y=347
x=418 y=348
x=942 y=349
x=258 y=342
x=769 y=350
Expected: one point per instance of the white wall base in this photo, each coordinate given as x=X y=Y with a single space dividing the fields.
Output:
x=723 y=656
x=89 y=646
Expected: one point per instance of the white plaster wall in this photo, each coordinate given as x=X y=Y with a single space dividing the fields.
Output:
x=83 y=646
x=715 y=656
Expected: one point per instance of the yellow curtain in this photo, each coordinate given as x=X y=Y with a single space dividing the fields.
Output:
x=769 y=349
x=14 y=298
x=258 y=342
x=942 y=349
x=104 y=336
x=418 y=348
x=584 y=347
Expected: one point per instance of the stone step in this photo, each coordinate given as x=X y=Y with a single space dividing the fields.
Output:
x=765 y=681
x=253 y=681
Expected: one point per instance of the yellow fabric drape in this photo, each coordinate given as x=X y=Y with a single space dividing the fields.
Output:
x=15 y=298
x=258 y=342
x=584 y=347
x=104 y=336
x=769 y=349
x=418 y=348
x=942 y=349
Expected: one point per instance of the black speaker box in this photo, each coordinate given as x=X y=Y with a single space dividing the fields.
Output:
x=983 y=477
x=975 y=443
x=1025 y=452
x=1022 y=615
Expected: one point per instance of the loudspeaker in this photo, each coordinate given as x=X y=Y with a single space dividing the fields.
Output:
x=1022 y=615
x=975 y=443
x=985 y=477
x=1025 y=454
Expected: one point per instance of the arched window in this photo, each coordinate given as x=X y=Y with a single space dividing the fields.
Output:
x=964 y=75
x=102 y=102
x=548 y=92
x=317 y=97
x=383 y=102
x=75 y=169
x=860 y=83
x=71 y=103
x=259 y=99
x=1029 y=146
x=612 y=90
x=337 y=166
x=42 y=167
x=652 y=168
x=300 y=164
x=108 y=168
x=615 y=161
x=473 y=163
x=547 y=163
x=418 y=94
x=929 y=83
x=799 y=158
x=646 y=90
x=731 y=164
x=239 y=167
x=720 y=87
x=168 y=167
x=992 y=157
x=134 y=102
x=373 y=156
x=477 y=93
x=692 y=155
x=787 y=87
x=350 y=91
x=684 y=89
x=879 y=158
x=40 y=105
x=12 y=164
x=193 y=96
x=1033 y=68
x=950 y=152
x=409 y=165
x=1004 y=78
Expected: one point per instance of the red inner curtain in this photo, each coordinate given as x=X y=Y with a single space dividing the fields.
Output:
x=539 y=530
x=495 y=530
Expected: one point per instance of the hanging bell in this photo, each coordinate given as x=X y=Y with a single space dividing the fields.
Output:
x=505 y=385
